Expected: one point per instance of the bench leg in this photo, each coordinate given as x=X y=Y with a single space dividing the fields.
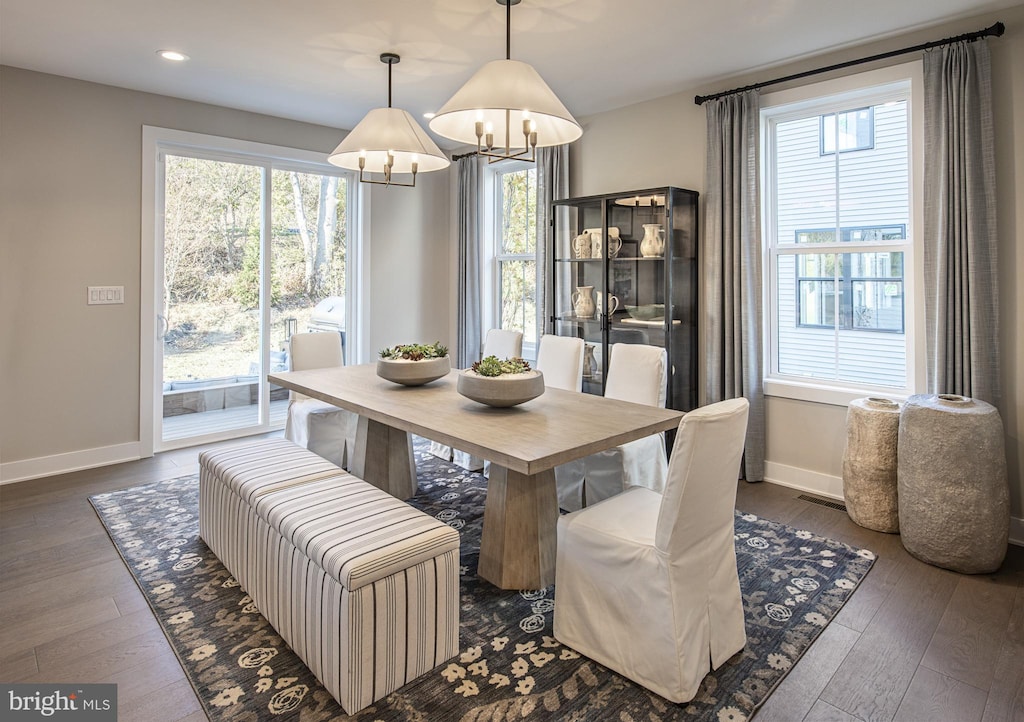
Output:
x=383 y=457
x=517 y=546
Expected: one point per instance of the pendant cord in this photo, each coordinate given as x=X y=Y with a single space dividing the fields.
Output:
x=389 y=85
x=508 y=31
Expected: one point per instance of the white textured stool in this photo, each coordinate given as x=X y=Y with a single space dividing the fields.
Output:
x=363 y=587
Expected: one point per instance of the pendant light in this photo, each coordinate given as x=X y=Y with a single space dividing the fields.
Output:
x=506 y=108
x=388 y=141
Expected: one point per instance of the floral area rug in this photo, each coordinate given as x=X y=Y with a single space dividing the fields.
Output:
x=510 y=666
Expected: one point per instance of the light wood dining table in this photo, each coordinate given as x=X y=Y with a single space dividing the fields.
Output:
x=523 y=443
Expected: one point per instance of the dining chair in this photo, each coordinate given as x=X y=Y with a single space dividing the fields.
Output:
x=503 y=344
x=639 y=374
x=646 y=583
x=321 y=427
x=560 y=359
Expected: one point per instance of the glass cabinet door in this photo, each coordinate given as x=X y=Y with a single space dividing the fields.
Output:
x=579 y=284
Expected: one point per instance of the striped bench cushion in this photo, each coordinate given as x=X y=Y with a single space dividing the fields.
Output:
x=261 y=467
x=352 y=530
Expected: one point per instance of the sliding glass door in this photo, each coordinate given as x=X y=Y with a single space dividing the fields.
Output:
x=248 y=251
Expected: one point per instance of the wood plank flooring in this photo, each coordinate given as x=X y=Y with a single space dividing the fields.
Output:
x=914 y=644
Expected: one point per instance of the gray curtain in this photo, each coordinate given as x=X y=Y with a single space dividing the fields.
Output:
x=732 y=266
x=468 y=339
x=960 y=263
x=552 y=185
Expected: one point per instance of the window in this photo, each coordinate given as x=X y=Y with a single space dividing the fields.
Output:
x=856 y=131
x=514 y=281
x=249 y=244
x=839 y=237
x=870 y=285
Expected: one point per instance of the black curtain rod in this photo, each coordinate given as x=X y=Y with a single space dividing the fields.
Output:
x=463 y=155
x=995 y=30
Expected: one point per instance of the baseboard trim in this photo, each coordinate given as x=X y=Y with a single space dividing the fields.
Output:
x=1017 y=531
x=794 y=477
x=27 y=469
x=831 y=487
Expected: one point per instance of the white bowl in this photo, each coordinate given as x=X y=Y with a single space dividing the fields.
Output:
x=413 y=373
x=501 y=391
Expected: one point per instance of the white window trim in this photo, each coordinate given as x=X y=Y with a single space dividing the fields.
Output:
x=156 y=142
x=795 y=102
x=489 y=256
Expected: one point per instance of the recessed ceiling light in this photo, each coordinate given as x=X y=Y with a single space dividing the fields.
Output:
x=172 y=55
x=428 y=115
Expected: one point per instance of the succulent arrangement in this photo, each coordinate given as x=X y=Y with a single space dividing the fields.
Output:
x=415 y=351
x=493 y=366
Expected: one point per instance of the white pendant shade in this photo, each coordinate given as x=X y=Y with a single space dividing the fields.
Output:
x=389 y=130
x=502 y=85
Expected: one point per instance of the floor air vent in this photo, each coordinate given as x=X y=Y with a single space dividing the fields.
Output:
x=838 y=505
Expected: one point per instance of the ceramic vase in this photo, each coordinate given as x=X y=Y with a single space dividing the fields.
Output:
x=869 y=463
x=954 y=498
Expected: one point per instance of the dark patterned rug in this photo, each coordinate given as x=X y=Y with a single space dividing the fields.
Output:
x=510 y=666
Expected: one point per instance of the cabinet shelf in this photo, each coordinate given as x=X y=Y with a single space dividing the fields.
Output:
x=669 y=280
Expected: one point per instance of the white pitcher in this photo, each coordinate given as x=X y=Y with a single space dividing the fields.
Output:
x=614 y=242
x=613 y=304
x=581 y=245
x=653 y=243
x=583 y=304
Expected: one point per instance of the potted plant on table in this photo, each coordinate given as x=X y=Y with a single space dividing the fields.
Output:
x=414 y=364
x=494 y=382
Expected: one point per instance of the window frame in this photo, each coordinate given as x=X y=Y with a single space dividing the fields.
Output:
x=869 y=145
x=493 y=256
x=903 y=81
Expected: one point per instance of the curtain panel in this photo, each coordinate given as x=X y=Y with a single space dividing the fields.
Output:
x=468 y=317
x=732 y=266
x=960 y=242
x=552 y=185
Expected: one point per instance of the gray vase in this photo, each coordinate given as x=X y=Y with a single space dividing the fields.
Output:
x=869 y=463
x=954 y=499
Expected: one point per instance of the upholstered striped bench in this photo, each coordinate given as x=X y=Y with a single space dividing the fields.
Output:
x=362 y=586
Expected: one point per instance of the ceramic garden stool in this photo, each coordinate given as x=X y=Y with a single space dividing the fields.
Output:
x=869 y=463
x=954 y=499
x=363 y=587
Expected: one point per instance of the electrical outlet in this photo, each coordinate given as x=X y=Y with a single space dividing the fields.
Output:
x=105 y=295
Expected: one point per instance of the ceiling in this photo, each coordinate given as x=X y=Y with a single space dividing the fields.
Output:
x=317 y=60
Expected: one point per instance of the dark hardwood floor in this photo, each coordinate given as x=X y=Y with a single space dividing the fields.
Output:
x=914 y=643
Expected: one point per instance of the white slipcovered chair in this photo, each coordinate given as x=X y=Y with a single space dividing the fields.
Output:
x=503 y=344
x=323 y=428
x=639 y=374
x=560 y=359
x=646 y=583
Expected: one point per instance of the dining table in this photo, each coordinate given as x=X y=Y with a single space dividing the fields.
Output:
x=523 y=443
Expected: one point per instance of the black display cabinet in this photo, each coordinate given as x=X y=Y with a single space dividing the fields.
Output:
x=624 y=270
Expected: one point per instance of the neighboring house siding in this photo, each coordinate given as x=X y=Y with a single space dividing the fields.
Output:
x=873 y=187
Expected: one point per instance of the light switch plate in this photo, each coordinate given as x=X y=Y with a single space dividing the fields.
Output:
x=105 y=295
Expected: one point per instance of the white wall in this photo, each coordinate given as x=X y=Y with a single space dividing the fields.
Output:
x=661 y=142
x=70 y=205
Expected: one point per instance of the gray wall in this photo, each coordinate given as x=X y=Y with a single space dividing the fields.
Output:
x=70 y=217
x=661 y=142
